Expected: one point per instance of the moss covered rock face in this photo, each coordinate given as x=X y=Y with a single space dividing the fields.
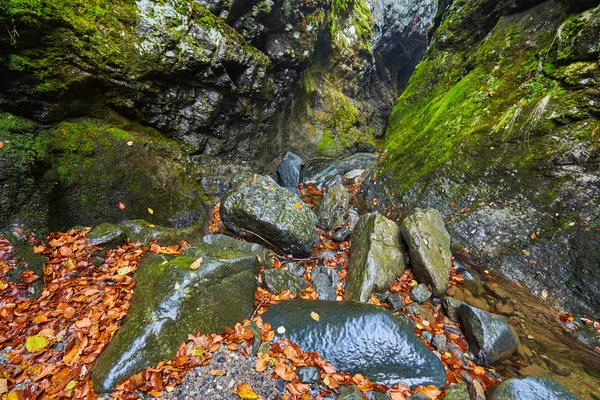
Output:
x=259 y=209
x=500 y=120
x=206 y=288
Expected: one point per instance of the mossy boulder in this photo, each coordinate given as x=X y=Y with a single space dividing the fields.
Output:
x=377 y=257
x=495 y=127
x=358 y=338
x=175 y=297
x=429 y=246
x=258 y=209
x=531 y=388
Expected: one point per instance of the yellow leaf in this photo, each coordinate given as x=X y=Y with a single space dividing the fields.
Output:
x=71 y=385
x=151 y=211
x=124 y=270
x=13 y=396
x=419 y=326
x=130 y=143
x=196 y=263
x=315 y=316
x=479 y=370
x=217 y=372
x=298 y=206
x=33 y=344
x=244 y=391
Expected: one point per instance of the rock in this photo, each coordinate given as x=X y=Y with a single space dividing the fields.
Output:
x=344 y=335
x=324 y=282
x=377 y=257
x=325 y=178
x=105 y=234
x=280 y=280
x=350 y=393
x=418 y=396
x=420 y=293
x=139 y=230
x=440 y=342
x=472 y=282
x=172 y=300
x=308 y=375
x=489 y=335
x=429 y=247
x=427 y=336
x=476 y=390
x=258 y=206
x=457 y=391
x=353 y=176
x=290 y=169
x=452 y=306
x=333 y=208
x=379 y=396
x=557 y=368
x=295 y=269
x=533 y=370
x=353 y=217
x=396 y=301
x=531 y=388
x=414 y=309
x=342 y=234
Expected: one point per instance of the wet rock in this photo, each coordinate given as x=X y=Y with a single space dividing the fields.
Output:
x=429 y=246
x=139 y=230
x=418 y=396
x=325 y=178
x=490 y=337
x=531 y=388
x=414 y=309
x=476 y=390
x=353 y=217
x=427 y=336
x=308 y=375
x=557 y=368
x=350 y=393
x=359 y=338
x=377 y=257
x=105 y=234
x=295 y=269
x=290 y=169
x=280 y=280
x=420 y=293
x=472 y=282
x=353 y=176
x=532 y=370
x=457 y=391
x=333 y=208
x=259 y=208
x=324 y=282
x=452 y=305
x=174 y=299
x=396 y=302
x=342 y=234
x=440 y=342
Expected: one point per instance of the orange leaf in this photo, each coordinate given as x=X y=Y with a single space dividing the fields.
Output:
x=298 y=206
x=479 y=370
x=430 y=391
x=217 y=372
x=262 y=362
x=533 y=236
x=285 y=372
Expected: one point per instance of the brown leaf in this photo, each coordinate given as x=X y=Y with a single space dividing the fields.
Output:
x=216 y=372
x=28 y=276
x=430 y=391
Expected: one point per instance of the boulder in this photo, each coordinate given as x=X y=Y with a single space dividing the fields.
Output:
x=489 y=335
x=359 y=338
x=258 y=209
x=531 y=388
x=420 y=293
x=280 y=280
x=377 y=256
x=207 y=288
x=333 y=209
x=289 y=170
x=105 y=234
x=429 y=247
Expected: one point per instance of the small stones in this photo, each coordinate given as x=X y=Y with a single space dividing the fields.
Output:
x=395 y=301
x=308 y=375
x=420 y=293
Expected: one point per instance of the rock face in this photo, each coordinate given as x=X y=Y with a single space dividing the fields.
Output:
x=495 y=98
x=531 y=388
x=333 y=208
x=429 y=247
x=359 y=338
x=174 y=299
x=377 y=257
x=490 y=336
x=258 y=208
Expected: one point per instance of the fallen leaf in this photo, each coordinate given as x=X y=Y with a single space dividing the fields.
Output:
x=3 y=384
x=430 y=391
x=121 y=206
x=38 y=249
x=285 y=371
x=71 y=385
x=244 y=391
x=452 y=203
x=125 y=270
x=196 y=264
x=13 y=396
x=298 y=206
x=479 y=370
x=315 y=316
x=151 y=211
x=533 y=236
x=130 y=143
x=33 y=344
x=217 y=372
x=1 y=145
x=281 y=330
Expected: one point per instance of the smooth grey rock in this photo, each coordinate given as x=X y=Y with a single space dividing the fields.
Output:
x=427 y=336
x=359 y=338
x=457 y=391
x=489 y=335
x=531 y=388
x=295 y=269
x=257 y=208
x=429 y=246
x=420 y=293
x=377 y=257
x=333 y=209
x=396 y=301
x=414 y=309
x=105 y=234
x=280 y=280
x=342 y=234
x=172 y=300
x=452 y=305
x=290 y=169
x=324 y=282
x=440 y=342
